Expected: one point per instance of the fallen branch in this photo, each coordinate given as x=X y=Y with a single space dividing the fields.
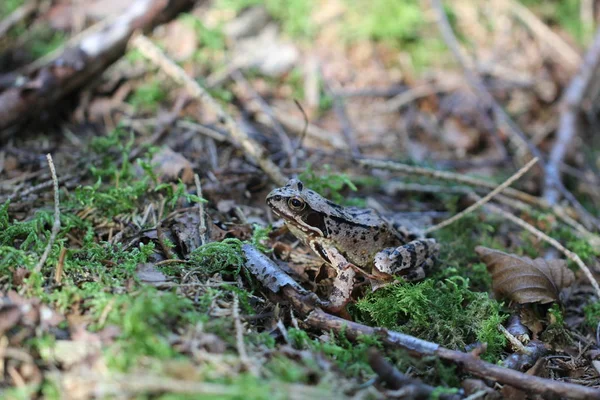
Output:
x=252 y=149
x=570 y=110
x=274 y=279
x=41 y=88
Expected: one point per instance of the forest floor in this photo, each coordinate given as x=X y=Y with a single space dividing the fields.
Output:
x=138 y=143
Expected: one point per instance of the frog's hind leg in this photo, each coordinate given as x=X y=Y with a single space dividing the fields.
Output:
x=409 y=261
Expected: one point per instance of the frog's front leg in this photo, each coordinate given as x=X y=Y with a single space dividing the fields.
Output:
x=343 y=284
x=409 y=261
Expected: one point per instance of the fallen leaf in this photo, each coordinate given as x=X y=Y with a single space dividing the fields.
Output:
x=524 y=280
x=149 y=274
x=9 y=317
x=172 y=165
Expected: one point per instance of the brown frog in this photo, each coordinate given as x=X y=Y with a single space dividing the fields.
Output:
x=351 y=240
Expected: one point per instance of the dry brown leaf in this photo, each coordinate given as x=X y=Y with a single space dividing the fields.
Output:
x=524 y=280
x=172 y=166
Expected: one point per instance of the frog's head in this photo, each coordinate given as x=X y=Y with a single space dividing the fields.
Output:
x=300 y=207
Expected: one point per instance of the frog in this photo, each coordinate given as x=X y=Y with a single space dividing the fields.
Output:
x=352 y=240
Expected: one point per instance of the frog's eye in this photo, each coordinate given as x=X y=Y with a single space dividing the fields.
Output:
x=296 y=204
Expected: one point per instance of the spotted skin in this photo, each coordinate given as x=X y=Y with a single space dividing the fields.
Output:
x=351 y=239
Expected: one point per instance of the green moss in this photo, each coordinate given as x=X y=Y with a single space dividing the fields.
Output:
x=349 y=356
x=294 y=15
x=457 y=256
x=225 y=256
x=146 y=317
x=8 y=6
x=592 y=314
x=444 y=312
x=147 y=96
x=329 y=185
x=384 y=19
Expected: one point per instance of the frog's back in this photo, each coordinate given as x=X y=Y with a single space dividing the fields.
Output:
x=360 y=234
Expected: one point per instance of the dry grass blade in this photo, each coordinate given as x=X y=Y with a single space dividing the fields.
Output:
x=524 y=280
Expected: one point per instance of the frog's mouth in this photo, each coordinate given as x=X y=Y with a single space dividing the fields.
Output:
x=300 y=225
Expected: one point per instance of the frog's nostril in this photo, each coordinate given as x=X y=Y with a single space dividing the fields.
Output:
x=277 y=198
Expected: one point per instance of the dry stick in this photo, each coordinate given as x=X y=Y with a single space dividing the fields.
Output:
x=569 y=116
x=553 y=242
x=484 y=199
x=277 y=281
x=202 y=224
x=252 y=149
x=477 y=84
x=56 y=224
x=554 y=42
x=396 y=380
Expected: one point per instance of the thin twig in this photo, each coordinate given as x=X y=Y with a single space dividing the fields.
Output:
x=56 y=224
x=516 y=343
x=253 y=150
x=202 y=224
x=484 y=199
x=409 y=96
x=298 y=125
x=553 y=242
x=569 y=117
